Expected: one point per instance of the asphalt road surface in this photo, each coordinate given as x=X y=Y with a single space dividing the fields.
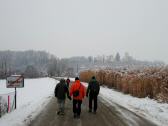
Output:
x=107 y=115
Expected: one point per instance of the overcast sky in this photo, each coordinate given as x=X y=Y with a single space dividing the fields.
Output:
x=86 y=27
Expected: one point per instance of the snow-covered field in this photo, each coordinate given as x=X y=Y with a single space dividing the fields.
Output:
x=37 y=93
x=30 y=100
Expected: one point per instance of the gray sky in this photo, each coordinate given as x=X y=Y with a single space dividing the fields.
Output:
x=86 y=27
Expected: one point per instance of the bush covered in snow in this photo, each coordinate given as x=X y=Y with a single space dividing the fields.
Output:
x=3 y=106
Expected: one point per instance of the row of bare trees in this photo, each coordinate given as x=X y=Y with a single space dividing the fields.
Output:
x=32 y=64
x=40 y=63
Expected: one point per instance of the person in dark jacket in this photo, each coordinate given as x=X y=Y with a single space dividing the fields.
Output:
x=68 y=82
x=61 y=90
x=93 y=91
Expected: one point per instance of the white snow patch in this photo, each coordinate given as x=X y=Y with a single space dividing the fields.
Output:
x=145 y=107
x=30 y=100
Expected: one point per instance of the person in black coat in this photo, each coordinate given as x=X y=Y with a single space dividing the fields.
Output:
x=68 y=82
x=93 y=91
x=61 y=90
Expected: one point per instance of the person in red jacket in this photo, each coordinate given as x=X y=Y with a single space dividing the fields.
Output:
x=77 y=90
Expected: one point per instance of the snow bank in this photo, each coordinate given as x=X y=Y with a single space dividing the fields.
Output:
x=148 y=108
x=30 y=100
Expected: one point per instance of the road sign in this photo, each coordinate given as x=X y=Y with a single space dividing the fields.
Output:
x=15 y=81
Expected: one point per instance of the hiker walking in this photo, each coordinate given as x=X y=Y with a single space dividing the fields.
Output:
x=68 y=82
x=78 y=92
x=61 y=91
x=93 y=91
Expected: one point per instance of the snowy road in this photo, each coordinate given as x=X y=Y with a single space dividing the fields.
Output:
x=107 y=115
x=38 y=108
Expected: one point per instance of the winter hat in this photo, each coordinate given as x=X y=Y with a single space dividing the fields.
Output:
x=62 y=80
x=93 y=77
x=76 y=78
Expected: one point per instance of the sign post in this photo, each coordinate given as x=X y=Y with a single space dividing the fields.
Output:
x=15 y=81
x=15 y=97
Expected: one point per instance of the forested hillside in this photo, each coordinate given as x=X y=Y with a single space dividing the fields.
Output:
x=40 y=63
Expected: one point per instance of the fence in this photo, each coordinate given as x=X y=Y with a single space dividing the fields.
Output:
x=7 y=103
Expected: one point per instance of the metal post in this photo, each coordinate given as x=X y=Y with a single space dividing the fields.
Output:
x=15 y=97
x=0 y=107
x=8 y=103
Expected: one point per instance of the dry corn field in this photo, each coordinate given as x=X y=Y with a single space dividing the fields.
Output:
x=151 y=82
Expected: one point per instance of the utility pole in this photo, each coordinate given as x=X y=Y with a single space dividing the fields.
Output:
x=77 y=69
x=5 y=69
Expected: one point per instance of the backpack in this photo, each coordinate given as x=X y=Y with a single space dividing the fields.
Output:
x=94 y=87
x=76 y=92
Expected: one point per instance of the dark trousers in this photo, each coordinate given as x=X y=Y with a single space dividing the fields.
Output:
x=91 y=99
x=77 y=106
